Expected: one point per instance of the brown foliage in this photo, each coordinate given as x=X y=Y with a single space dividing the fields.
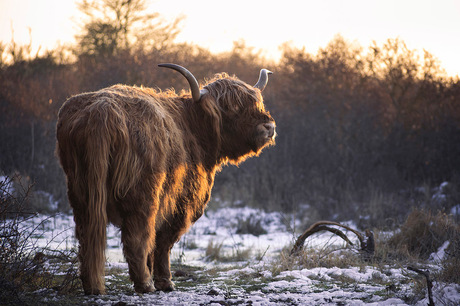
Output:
x=351 y=120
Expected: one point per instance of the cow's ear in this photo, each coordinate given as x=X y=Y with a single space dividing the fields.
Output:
x=203 y=92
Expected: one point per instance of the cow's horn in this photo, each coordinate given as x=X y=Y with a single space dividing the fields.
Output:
x=263 y=79
x=195 y=88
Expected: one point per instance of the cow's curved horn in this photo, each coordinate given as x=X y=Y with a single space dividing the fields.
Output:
x=263 y=79
x=195 y=88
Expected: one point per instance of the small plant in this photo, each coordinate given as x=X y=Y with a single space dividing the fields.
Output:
x=251 y=225
x=239 y=254
x=214 y=251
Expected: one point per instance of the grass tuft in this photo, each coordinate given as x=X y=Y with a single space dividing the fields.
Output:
x=422 y=234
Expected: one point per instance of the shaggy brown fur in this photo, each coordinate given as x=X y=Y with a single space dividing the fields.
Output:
x=145 y=161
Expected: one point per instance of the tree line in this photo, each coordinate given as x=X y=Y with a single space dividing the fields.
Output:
x=360 y=129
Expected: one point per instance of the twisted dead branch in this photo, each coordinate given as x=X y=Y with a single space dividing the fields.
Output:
x=429 y=283
x=367 y=245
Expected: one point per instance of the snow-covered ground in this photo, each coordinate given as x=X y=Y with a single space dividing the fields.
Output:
x=254 y=280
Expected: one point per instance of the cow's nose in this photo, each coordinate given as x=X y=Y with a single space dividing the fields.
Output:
x=270 y=126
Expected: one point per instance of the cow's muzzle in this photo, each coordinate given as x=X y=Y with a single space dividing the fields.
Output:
x=270 y=132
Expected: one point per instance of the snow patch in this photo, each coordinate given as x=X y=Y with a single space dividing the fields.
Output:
x=253 y=281
x=440 y=254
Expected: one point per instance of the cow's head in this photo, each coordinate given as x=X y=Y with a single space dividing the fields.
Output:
x=245 y=127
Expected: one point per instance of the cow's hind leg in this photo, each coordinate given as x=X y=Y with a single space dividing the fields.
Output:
x=92 y=279
x=137 y=236
x=92 y=262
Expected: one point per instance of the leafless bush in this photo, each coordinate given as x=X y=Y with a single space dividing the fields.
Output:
x=22 y=263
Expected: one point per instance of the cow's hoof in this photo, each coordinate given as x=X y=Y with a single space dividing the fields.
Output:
x=93 y=291
x=164 y=284
x=144 y=288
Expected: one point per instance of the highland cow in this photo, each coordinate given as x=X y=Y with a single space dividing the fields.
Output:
x=145 y=161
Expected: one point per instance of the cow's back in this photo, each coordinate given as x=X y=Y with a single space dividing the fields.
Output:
x=143 y=135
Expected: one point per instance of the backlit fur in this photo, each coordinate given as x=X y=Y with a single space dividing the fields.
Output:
x=145 y=161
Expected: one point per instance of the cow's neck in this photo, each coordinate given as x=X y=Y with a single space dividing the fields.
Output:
x=204 y=141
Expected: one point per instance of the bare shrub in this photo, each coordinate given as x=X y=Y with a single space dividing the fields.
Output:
x=22 y=263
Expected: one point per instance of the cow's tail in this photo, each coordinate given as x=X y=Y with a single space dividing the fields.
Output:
x=97 y=155
x=97 y=203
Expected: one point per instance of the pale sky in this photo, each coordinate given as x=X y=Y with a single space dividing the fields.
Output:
x=433 y=25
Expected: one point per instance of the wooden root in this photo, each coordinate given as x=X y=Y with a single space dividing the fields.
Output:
x=366 y=243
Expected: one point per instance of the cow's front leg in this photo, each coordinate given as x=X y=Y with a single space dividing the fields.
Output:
x=166 y=236
x=161 y=262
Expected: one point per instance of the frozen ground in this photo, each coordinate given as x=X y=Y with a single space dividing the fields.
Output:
x=255 y=278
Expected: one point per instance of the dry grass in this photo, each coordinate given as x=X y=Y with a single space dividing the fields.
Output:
x=451 y=265
x=422 y=234
x=329 y=256
x=215 y=252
